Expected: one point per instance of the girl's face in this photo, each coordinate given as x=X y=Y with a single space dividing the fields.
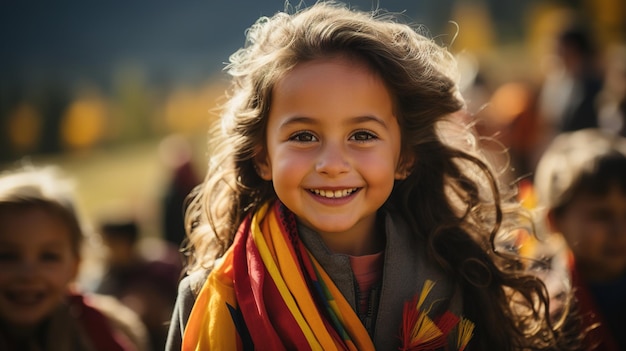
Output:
x=333 y=149
x=595 y=229
x=37 y=264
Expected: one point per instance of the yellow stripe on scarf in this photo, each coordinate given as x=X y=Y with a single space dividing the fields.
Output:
x=217 y=289
x=270 y=225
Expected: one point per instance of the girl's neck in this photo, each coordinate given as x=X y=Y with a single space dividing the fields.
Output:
x=365 y=238
x=20 y=334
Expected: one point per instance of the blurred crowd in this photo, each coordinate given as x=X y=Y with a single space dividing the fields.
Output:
x=562 y=142
x=582 y=86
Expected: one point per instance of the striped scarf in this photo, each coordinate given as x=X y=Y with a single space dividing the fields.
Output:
x=268 y=292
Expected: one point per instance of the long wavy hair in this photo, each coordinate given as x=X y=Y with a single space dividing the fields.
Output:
x=451 y=197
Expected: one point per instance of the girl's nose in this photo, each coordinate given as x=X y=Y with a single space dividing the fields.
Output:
x=27 y=269
x=332 y=160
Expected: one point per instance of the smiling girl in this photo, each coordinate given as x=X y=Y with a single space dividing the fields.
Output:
x=335 y=215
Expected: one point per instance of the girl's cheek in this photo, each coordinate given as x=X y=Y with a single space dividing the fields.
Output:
x=593 y=239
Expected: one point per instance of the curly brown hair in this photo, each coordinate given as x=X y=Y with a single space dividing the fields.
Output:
x=451 y=198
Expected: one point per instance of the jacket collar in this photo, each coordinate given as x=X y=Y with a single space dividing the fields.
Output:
x=406 y=268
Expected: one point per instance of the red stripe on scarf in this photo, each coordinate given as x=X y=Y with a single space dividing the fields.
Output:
x=264 y=310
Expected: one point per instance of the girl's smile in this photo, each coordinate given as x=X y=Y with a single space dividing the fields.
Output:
x=333 y=148
x=330 y=197
x=334 y=194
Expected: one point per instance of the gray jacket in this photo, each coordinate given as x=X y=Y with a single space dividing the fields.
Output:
x=406 y=267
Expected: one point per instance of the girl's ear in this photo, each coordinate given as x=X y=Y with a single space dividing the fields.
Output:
x=262 y=165
x=404 y=168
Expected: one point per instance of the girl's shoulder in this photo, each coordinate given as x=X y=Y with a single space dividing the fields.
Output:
x=93 y=322
x=196 y=280
x=125 y=324
x=188 y=290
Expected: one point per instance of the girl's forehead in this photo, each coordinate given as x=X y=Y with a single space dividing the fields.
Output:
x=32 y=226
x=333 y=86
x=612 y=198
x=326 y=72
x=347 y=61
x=600 y=188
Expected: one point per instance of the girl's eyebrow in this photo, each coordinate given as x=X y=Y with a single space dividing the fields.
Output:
x=6 y=242
x=56 y=244
x=368 y=118
x=297 y=120
x=353 y=120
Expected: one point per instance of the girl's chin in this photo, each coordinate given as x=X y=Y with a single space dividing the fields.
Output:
x=324 y=228
x=26 y=318
x=22 y=325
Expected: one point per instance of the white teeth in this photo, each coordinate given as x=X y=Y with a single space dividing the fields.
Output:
x=331 y=194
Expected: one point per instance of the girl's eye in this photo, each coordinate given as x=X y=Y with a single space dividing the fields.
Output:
x=600 y=215
x=50 y=256
x=363 y=136
x=303 y=137
x=8 y=256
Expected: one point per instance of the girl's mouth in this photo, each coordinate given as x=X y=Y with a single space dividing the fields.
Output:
x=25 y=298
x=334 y=194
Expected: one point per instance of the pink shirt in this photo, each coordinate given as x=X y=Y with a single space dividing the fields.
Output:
x=367 y=270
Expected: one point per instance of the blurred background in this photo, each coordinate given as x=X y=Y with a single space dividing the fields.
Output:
x=97 y=86
x=120 y=94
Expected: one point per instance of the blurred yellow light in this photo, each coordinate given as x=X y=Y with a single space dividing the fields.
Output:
x=24 y=128
x=83 y=123
x=476 y=30
x=189 y=110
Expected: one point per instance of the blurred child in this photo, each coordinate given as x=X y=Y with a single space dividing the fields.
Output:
x=568 y=95
x=41 y=234
x=146 y=284
x=337 y=215
x=581 y=182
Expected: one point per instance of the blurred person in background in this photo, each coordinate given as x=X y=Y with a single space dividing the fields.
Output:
x=567 y=100
x=176 y=154
x=41 y=307
x=580 y=182
x=143 y=273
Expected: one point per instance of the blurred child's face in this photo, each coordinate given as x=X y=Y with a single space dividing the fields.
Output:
x=333 y=148
x=595 y=229
x=36 y=265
